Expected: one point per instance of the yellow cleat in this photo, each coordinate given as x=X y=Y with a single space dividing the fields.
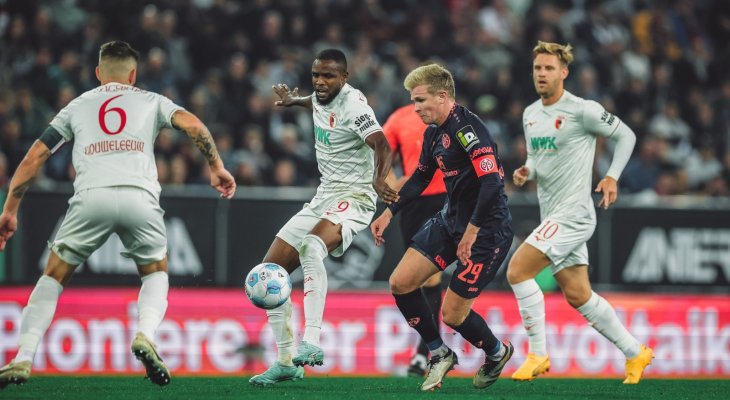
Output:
x=533 y=366
x=635 y=366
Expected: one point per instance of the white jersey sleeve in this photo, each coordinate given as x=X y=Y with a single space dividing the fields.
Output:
x=598 y=121
x=360 y=116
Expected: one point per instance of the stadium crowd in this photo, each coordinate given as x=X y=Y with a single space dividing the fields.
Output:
x=661 y=66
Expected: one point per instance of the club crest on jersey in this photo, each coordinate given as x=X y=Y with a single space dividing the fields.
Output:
x=446 y=141
x=333 y=120
x=559 y=122
x=467 y=137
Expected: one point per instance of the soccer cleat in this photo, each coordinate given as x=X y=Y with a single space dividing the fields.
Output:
x=15 y=373
x=533 y=366
x=145 y=352
x=438 y=367
x=309 y=354
x=635 y=366
x=277 y=373
x=490 y=370
x=418 y=365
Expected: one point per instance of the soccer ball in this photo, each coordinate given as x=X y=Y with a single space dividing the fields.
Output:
x=268 y=285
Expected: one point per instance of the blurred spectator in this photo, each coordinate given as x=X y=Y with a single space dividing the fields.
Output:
x=661 y=64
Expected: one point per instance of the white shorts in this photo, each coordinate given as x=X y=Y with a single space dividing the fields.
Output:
x=353 y=211
x=134 y=214
x=563 y=241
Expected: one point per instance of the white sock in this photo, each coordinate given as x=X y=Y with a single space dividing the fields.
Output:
x=152 y=303
x=601 y=317
x=37 y=316
x=531 y=303
x=280 y=322
x=311 y=254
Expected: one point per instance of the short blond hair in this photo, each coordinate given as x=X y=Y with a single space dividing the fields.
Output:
x=563 y=52
x=434 y=76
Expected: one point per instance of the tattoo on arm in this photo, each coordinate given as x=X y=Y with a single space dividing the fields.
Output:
x=202 y=139
x=20 y=190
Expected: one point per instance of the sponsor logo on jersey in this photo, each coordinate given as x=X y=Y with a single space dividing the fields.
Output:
x=322 y=135
x=486 y=164
x=480 y=151
x=467 y=137
x=543 y=143
x=608 y=118
x=559 y=122
x=333 y=120
x=446 y=140
x=364 y=122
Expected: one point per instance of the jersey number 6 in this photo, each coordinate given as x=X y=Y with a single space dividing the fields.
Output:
x=102 y=117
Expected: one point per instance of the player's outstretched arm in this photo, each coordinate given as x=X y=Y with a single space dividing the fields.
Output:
x=24 y=175
x=220 y=178
x=291 y=97
x=383 y=158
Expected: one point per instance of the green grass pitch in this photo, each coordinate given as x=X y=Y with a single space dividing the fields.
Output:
x=352 y=388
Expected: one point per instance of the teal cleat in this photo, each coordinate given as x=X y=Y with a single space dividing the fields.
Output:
x=309 y=354
x=277 y=373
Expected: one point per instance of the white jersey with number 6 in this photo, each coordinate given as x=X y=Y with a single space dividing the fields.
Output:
x=345 y=161
x=114 y=127
x=561 y=143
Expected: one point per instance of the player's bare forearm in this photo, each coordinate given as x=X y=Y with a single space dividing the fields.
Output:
x=383 y=159
x=25 y=174
x=199 y=134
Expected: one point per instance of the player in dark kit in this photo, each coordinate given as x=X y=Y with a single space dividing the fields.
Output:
x=474 y=227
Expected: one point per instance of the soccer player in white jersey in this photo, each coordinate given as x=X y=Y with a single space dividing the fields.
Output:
x=354 y=157
x=560 y=130
x=113 y=128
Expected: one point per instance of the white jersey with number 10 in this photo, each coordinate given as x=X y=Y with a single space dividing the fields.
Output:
x=114 y=128
x=561 y=144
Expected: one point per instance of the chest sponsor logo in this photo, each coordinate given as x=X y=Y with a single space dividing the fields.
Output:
x=364 y=122
x=543 y=143
x=559 y=122
x=446 y=141
x=333 y=120
x=322 y=136
x=467 y=137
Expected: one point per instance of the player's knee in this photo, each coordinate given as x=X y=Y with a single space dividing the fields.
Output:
x=399 y=285
x=515 y=274
x=452 y=318
x=312 y=248
x=576 y=297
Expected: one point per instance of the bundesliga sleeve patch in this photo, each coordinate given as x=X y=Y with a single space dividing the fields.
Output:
x=485 y=165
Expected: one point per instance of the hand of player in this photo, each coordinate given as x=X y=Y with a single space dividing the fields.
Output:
x=378 y=226
x=519 y=177
x=463 y=251
x=8 y=226
x=223 y=182
x=609 y=188
x=287 y=96
x=385 y=192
